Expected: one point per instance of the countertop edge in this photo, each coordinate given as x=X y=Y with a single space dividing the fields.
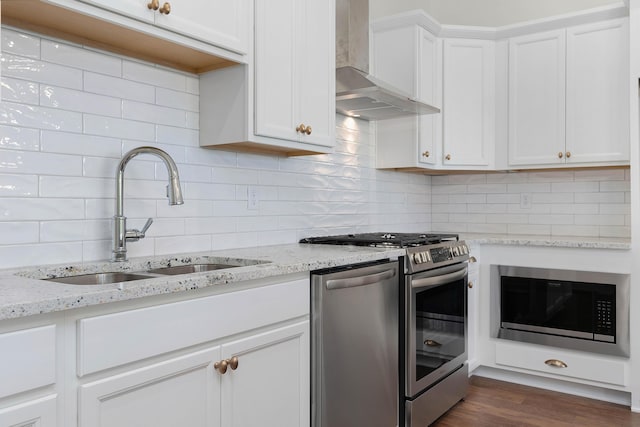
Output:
x=22 y=296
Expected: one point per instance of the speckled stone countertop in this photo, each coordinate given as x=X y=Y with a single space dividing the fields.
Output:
x=550 y=241
x=23 y=294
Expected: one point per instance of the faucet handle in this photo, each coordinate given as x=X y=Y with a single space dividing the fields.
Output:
x=135 y=235
x=146 y=227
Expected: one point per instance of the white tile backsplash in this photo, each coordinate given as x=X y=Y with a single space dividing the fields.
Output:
x=561 y=203
x=68 y=114
x=15 y=138
x=77 y=57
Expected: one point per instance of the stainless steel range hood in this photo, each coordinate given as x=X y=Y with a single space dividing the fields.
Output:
x=358 y=94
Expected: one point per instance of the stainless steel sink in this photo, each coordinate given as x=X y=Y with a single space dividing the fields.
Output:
x=190 y=268
x=100 y=278
x=121 y=276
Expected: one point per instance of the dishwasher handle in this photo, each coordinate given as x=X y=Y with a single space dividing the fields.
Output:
x=439 y=280
x=352 y=282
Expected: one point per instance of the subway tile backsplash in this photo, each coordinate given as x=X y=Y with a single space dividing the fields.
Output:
x=68 y=114
x=592 y=203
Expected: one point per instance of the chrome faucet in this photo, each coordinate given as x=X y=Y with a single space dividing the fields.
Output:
x=174 y=193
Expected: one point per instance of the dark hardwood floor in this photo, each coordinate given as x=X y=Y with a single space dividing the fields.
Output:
x=492 y=403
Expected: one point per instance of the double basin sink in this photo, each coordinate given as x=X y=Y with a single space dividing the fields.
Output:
x=120 y=276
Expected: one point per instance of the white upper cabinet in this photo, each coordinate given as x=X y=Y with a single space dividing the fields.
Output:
x=295 y=74
x=222 y=23
x=409 y=142
x=468 y=109
x=456 y=75
x=133 y=8
x=568 y=97
x=537 y=98
x=598 y=92
x=284 y=100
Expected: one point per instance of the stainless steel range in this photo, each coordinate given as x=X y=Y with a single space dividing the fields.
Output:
x=432 y=310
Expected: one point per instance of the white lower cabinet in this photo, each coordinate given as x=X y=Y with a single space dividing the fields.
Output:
x=562 y=363
x=237 y=359
x=270 y=385
x=184 y=391
x=28 y=365
x=266 y=386
x=34 y=413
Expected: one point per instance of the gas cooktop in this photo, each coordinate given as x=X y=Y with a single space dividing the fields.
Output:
x=387 y=240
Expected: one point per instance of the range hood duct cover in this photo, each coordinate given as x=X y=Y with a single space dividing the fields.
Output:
x=358 y=94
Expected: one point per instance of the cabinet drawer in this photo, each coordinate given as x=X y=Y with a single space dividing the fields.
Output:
x=27 y=359
x=34 y=413
x=585 y=367
x=115 y=339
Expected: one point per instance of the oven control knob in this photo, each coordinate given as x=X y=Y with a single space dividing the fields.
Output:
x=417 y=258
x=428 y=256
x=456 y=251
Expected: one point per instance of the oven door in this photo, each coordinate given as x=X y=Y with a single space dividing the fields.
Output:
x=436 y=325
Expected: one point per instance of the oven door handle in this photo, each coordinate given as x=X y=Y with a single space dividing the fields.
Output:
x=352 y=282
x=439 y=280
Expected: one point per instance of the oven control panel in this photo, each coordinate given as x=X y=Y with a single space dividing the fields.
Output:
x=440 y=254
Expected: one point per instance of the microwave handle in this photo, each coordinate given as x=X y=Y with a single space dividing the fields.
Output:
x=360 y=280
x=439 y=280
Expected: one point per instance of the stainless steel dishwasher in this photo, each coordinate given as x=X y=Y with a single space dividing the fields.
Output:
x=354 y=346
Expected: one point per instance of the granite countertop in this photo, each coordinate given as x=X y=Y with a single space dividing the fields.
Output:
x=22 y=293
x=550 y=241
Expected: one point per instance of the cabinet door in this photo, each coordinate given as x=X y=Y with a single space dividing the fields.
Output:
x=316 y=71
x=184 y=391
x=270 y=386
x=469 y=102
x=597 y=92
x=429 y=90
x=35 y=413
x=275 y=70
x=409 y=141
x=134 y=8
x=537 y=99
x=219 y=22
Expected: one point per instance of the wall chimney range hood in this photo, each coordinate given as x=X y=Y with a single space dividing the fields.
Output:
x=358 y=94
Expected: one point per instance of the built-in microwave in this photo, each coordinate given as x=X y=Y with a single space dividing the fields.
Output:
x=573 y=309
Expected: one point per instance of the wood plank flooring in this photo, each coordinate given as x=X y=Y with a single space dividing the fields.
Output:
x=492 y=403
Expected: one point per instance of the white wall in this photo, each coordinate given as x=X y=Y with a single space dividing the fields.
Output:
x=67 y=116
x=491 y=13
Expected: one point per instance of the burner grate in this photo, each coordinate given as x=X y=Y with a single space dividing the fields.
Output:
x=389 y=240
